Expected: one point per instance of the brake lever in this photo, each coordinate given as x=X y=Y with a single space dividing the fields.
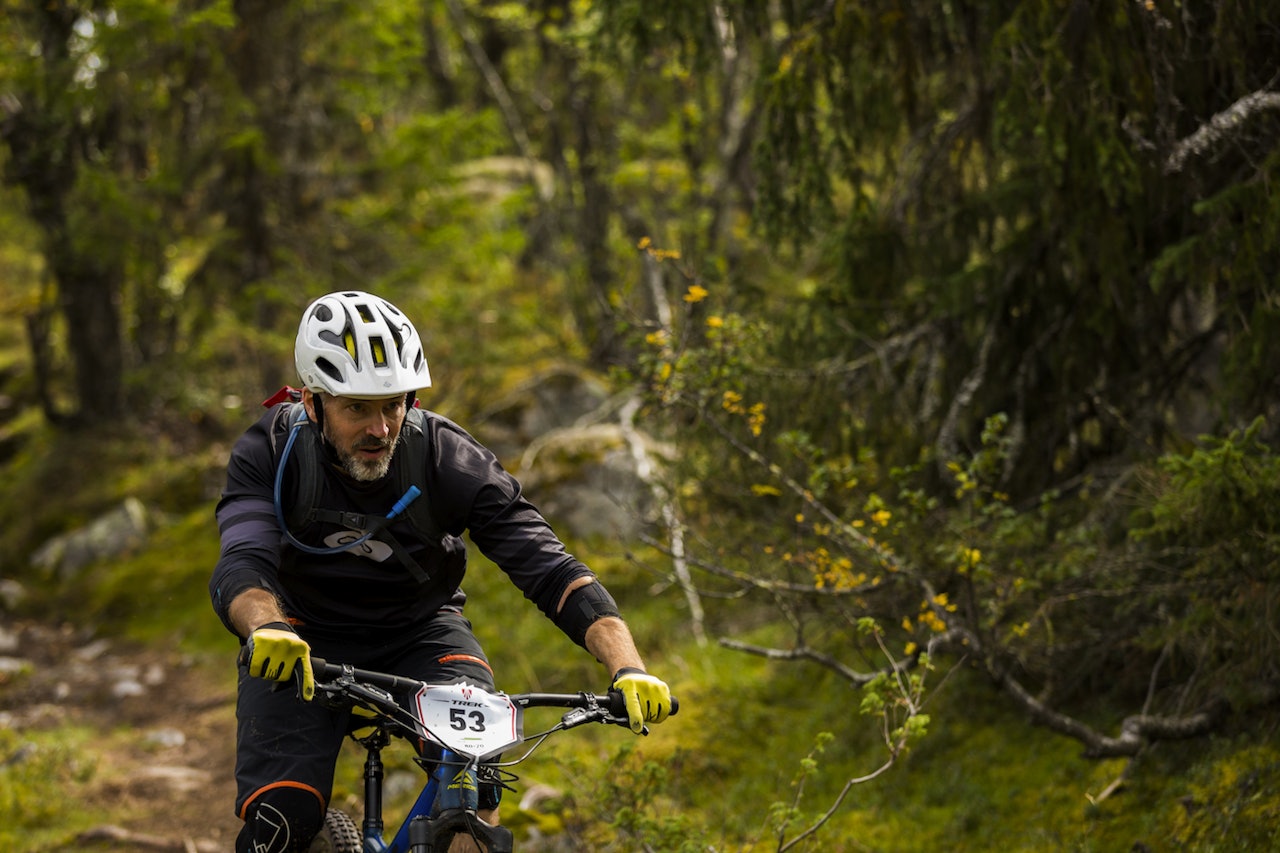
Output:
x=595 y=712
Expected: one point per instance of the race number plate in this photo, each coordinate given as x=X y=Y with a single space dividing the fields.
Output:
x=469 y=720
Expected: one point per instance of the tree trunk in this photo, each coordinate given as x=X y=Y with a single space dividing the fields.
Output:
x=45 y=138
x=89 y=300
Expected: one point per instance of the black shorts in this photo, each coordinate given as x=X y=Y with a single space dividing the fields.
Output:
x=282 y=741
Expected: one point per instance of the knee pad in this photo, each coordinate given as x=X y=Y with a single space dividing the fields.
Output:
x=281 y=820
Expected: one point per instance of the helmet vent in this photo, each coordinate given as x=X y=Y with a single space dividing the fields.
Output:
x=396 y=337
x=327 y=366
x=344 y=341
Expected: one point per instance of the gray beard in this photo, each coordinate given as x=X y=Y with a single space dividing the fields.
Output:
x=366 y=472
x=362 y=471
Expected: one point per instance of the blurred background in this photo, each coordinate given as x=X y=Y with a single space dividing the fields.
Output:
x=906 y=370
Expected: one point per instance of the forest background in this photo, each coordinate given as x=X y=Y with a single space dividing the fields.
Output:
x=955 y=320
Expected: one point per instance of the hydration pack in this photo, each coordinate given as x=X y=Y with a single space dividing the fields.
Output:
x=301 y=508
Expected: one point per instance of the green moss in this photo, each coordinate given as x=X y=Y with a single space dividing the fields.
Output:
x=47 y=489
x=42 y=775
x=1231 y=801
x=161 y=592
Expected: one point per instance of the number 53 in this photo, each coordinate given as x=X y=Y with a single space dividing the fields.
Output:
x=458 y=720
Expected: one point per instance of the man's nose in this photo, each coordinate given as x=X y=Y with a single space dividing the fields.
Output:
x=380 y=426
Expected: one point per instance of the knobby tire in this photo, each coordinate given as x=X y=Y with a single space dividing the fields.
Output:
x=339 y=835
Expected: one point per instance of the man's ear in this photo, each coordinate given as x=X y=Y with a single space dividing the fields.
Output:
x=309 y=403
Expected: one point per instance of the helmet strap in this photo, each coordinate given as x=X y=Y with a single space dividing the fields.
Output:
x=318 y=405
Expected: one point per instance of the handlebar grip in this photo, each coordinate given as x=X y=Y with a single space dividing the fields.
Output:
x=325 y=671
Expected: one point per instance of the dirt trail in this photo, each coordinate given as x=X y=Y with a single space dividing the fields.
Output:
x=164 y=755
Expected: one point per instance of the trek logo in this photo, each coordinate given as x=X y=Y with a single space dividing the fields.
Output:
x=372 y=549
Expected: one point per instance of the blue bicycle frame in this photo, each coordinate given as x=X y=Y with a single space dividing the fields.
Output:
x=456 y=798
x=421 y=808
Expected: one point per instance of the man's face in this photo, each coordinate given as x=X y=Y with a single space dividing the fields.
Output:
x=364 y=432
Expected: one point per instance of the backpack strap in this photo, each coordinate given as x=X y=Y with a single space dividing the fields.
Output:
x=306 y=490
x=305 y=493
x=415 y=445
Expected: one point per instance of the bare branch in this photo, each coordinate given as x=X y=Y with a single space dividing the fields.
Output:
x=947 y=443
x=1115 y=784
x=1135 y=732
x=849 y=674
x=885 y=557
x=766 y=584
x=835 y=805
x=886 y=354
x=1217 y=130
x=670 y=516
x=804 y=653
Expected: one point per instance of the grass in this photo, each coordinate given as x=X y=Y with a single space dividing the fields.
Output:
x=42 y=775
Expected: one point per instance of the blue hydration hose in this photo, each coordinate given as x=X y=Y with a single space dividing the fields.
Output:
x=407 y=498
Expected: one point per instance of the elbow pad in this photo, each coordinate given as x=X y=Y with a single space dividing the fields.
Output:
x=584 y=606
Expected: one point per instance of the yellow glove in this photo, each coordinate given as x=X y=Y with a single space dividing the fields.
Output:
x=274 y=651
x=648 y=698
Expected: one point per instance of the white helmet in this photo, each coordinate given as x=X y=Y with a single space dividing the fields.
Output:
x=354 y=344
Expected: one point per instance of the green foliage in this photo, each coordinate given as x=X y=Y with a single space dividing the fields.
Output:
x=1214 y=524
x=40 y=775
x=631 y=796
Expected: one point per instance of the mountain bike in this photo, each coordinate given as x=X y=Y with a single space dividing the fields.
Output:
x=459 y=730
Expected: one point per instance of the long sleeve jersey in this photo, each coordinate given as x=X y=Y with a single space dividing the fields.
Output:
x=369 y=587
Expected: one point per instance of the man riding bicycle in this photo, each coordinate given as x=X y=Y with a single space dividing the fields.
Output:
x=340 y=528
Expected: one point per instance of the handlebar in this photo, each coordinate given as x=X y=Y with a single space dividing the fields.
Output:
x=612 y=701
x=325 y=671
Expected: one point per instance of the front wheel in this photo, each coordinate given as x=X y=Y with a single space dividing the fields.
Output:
x=339 y=835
